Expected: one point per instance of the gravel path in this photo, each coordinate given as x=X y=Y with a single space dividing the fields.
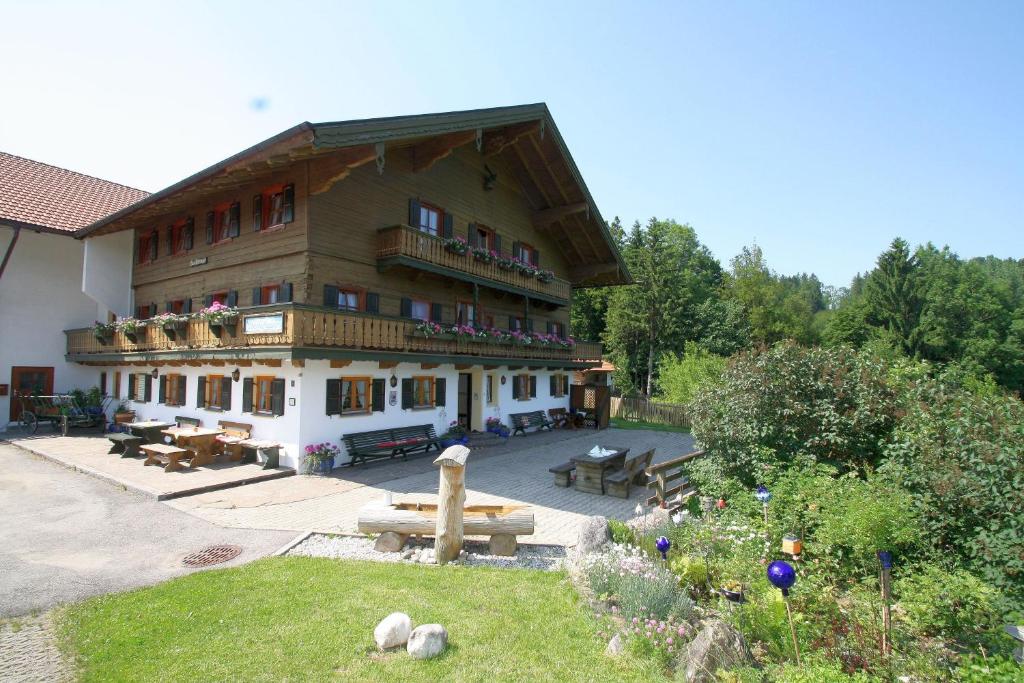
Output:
x=474 y=554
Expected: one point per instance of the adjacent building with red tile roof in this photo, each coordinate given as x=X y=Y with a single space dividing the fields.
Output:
x=42 y=197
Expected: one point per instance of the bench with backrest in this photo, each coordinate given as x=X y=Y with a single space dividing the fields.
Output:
x=230 y=442
x=184 y=421
x=632 y=472
x=168 y=456
x=388 y=443
x=563 y=473
x=560 y=418
x=127 y=445
x=523 y=421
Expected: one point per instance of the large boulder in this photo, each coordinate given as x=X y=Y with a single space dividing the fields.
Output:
x=393 y=630
x=651 y=519
x=716 y=646
x=594 y=534
x=426 y=641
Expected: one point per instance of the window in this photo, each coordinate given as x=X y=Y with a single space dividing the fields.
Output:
x=527 y=253
x=176 y=306
x=179 y=237
x=482 y=236
x=147 y=247
x=490 y=396
x=430 y=219
x=137 y=384
x=348 y=300
x=420 y=310
x=515 y=324
x=559 y=385
x=273 y=207
x=214 y=395
x=422 y=392
x=270 y=294
x=487 y=320
x=143 y=312
x=173 y=389
x=355 y=395
x=219 y=297
x=117 y=385
x=524 y=387
x=262 y=395
x=465 y=313
x=222 y=223
x=556 y=328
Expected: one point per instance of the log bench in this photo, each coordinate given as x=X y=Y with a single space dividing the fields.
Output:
x=389 y=443
x=127 y=445
x=563 y=473
x=633 y=471
x=523 y=421
x=168 y=456
x=395 y=523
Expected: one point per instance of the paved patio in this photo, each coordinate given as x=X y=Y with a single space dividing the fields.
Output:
x=89 y=453
x=517 y=473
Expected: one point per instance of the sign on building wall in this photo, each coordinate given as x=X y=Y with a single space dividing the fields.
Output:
x=271 y=323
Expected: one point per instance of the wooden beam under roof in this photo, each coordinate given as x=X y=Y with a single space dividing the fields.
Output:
x=497 y=140
x=325 y=172
x=529 y=169
x=586 y=272
x=429 y=152
x=545 y=217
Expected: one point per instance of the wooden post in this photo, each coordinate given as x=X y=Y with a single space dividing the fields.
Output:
x=451 y=497
x=886 y=615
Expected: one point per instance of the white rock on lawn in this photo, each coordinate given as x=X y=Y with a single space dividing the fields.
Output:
x=393 y=630
x=428 y=640
x=614 y=648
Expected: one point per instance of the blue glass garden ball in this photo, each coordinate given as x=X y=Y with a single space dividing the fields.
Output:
x=763 y=495
x=663 y=544
x=885 y=558
x=782 y=575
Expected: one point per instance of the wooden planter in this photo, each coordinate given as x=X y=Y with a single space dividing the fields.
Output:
x=139 y=335
x=125 y=417
x=230 y=325
x=174 y=329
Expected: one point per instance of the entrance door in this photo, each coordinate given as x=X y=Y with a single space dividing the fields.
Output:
x=25 y=380
x=465 y=405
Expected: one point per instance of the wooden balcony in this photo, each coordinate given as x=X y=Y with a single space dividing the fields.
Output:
x=307 y=332
x=408 y=246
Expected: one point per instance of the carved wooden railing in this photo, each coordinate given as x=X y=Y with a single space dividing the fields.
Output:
x=401 y=240
x=308 y=326
x=664 y=474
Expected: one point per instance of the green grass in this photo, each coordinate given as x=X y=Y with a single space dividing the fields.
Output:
x=312 y=619
x=619 y=423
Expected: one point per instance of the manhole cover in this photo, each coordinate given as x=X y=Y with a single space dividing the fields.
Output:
x=215 y=554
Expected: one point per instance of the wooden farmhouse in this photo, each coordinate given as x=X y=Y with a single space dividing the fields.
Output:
x=378 y=273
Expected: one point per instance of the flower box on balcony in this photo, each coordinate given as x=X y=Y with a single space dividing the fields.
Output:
x=173 y=324
x=220 y=318
x=103 y=332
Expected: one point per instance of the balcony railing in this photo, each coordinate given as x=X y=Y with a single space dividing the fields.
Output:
x=403 y=241
x=291 y=326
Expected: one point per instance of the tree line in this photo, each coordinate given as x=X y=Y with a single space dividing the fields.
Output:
x=685 y=312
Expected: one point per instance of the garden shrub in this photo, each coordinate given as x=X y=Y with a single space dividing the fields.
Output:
x=642 y=587
x=788 y=403
x=621 y=533
x=961 y=454
x=680 y=378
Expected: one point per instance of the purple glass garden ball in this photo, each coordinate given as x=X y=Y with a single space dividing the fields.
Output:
x=663 y=544
x=782 y=575
x=885 y=559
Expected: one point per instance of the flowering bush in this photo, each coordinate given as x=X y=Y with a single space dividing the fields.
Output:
x=455 y=430
x=493 y=422
x=218 y=314
x=648 y=634
x=318 y=453
x=456 y=245
x=636 y=584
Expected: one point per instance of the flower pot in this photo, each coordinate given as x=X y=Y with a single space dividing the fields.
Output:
x=322 y=468
x=792 y=544
x=731 y=595
x=125 y=417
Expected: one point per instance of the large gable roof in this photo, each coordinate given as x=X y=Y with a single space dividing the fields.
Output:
x=523 y=136
x=52 y=199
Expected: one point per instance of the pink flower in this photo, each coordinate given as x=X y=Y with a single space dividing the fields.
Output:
x=669 y=640
x=681 y=631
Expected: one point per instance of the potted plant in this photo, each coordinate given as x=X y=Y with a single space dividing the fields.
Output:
x=320 y=458
x=218 y=317
x=732 y=591
x=456 y=245
x=506 y=262
x=104 y=332
x=484 y=255
x=132 y=329
x=494 y=425
x=456 y=434
x=172 y=323
x=545 y=276
x=122 y=415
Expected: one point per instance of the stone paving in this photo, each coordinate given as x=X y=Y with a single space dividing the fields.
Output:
x=90 y=454
x=512 y=474
x=28 y=652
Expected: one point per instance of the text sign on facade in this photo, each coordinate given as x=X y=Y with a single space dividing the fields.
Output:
x=200 y=261
x=272 y=323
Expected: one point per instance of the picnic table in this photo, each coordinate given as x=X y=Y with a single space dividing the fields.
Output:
x=590 y=469
x=200 y=440
x=149 y=430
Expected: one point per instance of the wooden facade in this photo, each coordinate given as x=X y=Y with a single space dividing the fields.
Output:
x=349 y=229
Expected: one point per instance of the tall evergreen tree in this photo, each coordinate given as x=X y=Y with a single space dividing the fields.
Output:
x=894 y=294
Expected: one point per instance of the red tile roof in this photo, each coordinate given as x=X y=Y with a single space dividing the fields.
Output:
x=34 y=194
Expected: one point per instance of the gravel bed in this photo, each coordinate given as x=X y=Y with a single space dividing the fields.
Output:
x=474 y=553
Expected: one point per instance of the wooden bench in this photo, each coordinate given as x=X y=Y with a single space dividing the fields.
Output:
x=271 y=450
x=563 y=473
x=184 y=421
x=560 y=418
x=125 y=444
x=633 y=472
x=230 y=442
x=523 y=421
x=168 y=456
x=388 y=443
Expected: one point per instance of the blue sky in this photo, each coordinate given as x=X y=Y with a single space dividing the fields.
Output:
x=819 y=130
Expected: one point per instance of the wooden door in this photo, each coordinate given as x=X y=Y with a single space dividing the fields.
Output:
x=465 y=414
x=28 y=380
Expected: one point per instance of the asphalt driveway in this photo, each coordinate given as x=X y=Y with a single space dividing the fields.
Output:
x=65 y=536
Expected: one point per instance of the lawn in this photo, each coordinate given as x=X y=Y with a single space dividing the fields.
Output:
x=619 y=423
x=312 y=619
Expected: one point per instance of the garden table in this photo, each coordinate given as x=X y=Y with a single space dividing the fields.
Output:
x=590 y=469
x=200 y=440
x=149 y=430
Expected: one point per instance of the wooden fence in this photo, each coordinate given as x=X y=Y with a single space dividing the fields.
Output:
x=642 y=410
x=662 y=478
